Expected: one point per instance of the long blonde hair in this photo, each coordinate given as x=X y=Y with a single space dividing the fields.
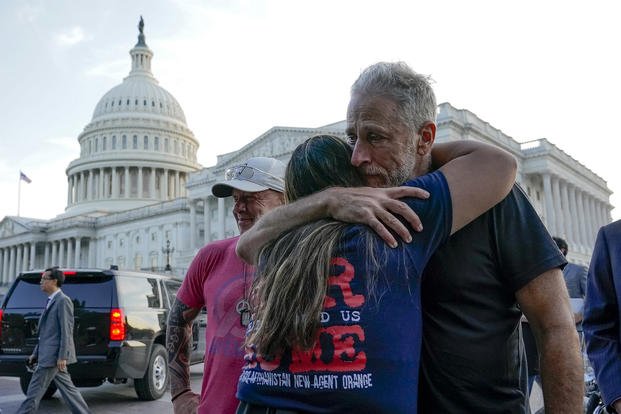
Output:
x=291 y=283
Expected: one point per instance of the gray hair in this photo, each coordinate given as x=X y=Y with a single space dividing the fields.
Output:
x=397 y=81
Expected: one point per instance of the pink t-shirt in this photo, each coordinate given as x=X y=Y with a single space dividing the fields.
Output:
x=215 y=280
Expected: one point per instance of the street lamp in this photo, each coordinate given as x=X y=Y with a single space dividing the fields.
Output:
x=168 y=250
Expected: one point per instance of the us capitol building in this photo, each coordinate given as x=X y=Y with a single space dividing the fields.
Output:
x=137 y=197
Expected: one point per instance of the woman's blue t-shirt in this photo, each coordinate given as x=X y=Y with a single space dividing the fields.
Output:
x=366 y=358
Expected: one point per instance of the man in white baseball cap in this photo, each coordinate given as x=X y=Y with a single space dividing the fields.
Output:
x=218 y=280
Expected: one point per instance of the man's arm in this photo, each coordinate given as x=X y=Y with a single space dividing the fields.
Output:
x=375 y=207
x=602 y=320
x=65 y=315
x=178 y=338
x=545 y=302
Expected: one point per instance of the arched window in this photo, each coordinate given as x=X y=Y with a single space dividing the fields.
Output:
x=105 y=143
x=124 y=141
x=146 y=142
x=135 y=143
x=113 y=142
x=156 y=144
x=165 y=144
x=96 y=144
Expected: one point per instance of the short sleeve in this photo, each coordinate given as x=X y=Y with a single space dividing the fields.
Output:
x=191 y=291
x=436 y=212
x=523 y=245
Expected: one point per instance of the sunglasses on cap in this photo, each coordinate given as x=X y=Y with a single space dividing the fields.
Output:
x=246 y=172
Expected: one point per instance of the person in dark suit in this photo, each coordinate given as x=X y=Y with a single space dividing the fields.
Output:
x=602 y=317
x=55 y=349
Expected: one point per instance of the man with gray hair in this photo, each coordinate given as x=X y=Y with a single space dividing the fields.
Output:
x=218 y=280
x=475 y=286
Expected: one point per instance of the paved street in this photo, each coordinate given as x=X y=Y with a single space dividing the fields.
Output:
x=121 y=399
x=106 y=399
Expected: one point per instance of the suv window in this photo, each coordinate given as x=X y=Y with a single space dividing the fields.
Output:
x=172 y=286
x=85 y=291
x=139 y=292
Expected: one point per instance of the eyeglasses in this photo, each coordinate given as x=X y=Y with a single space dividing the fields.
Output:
x=46 y=278
x=246 y=172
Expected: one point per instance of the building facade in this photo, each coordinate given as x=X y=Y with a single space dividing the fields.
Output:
x=138 y=199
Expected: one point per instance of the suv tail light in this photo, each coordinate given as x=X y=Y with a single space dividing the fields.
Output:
x=1 y=312
x=117 y=325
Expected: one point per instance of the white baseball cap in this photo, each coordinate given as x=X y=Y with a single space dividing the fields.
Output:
x=256 y=174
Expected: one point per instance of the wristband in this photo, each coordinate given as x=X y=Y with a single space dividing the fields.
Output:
x=179 y=395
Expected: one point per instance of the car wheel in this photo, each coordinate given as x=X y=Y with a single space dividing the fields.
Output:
x=153 y=385
x=24 y=381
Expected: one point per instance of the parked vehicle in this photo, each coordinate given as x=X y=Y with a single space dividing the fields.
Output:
x=119 y=330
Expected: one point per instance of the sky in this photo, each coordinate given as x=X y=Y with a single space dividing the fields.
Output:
x=533 y=69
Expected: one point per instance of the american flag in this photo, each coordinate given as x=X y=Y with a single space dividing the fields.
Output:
x=24 y=177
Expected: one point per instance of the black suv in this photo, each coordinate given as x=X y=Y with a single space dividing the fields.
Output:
x=119 y=330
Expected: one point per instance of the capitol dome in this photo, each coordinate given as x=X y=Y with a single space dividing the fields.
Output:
x=137 y=150
x=139 y=92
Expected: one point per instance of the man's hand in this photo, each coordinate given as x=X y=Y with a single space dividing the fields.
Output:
x=617 y=406
x=378 y=208
x=62 y=365
x=186 y=403
x=375 y=207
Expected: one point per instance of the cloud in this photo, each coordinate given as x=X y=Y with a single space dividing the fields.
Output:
x=71 y=37
x=29 y=12
x=69 y=143
x=115 y=69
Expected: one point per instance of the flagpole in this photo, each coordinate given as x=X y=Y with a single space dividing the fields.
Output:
x=19 y=193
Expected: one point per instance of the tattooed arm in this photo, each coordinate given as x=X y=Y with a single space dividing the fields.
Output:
x=178 y=337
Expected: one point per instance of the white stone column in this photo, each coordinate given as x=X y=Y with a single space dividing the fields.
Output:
x=25 y=257
x=603 y=212
x=78 y=247
x=70 y=250
x=68 y=190
x=165 y=177
x=567 y=219
x=19 y=259
x=177 y=187
x=127 y=183
x=89 y=186
x=549 y=207
x=221 y=218
x=193 y=229
x=575 y=220
x=115 y=184
x=61 y=253
x=206 y=220
x=152 y=183
x=33 y=253
x=91 y=252
x=139 y=193
x=6 y=276
x=558 y=209
x=582 y=218
x=100 y=183
x=54 y=261
x=80 y=190
x=46 y=255
x=592 y=221
x=12 y=263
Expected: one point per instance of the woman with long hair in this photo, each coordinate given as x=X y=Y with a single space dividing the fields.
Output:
x=336 y=312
